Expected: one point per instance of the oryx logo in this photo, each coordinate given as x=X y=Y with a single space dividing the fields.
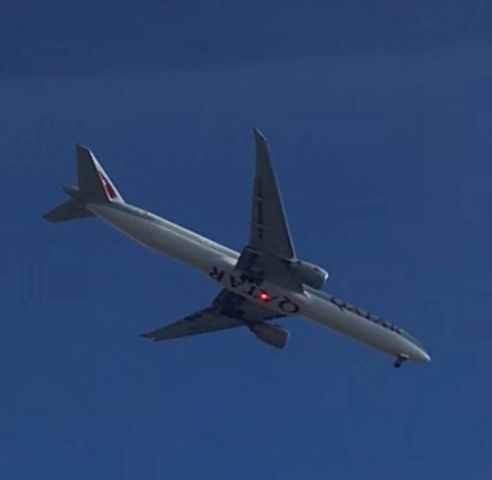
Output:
x=108 y=187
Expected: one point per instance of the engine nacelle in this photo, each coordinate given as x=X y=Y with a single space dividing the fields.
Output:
x=309 y=274
x=271 y=334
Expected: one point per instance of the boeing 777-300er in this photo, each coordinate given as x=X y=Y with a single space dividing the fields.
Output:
x=264 y=282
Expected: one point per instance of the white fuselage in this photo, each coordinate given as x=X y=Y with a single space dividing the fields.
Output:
x=218 y=262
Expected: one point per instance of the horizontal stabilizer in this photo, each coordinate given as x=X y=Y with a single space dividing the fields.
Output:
x=70 y=210
x=94 y=185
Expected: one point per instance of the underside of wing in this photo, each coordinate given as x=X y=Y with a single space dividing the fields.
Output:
x=204 y=321
x=270 y=251
x=269 y=228
x=228 y=310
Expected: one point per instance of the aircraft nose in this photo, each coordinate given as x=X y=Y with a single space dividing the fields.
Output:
x=423 y=356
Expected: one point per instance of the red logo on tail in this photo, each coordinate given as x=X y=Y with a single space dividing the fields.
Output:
x=108 y=188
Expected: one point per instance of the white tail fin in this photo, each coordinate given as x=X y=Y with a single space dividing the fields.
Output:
x=94 y=182
x=94 y=186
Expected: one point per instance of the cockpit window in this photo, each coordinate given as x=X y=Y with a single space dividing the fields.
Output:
x=409 y=337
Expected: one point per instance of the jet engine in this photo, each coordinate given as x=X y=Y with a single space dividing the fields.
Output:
x=309 y=274
x=271 y=334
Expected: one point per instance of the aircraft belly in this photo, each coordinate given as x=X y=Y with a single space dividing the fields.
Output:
x=286 y=302
x=161 y=237
x=358 y=328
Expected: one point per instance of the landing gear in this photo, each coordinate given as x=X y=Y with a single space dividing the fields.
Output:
x=400 y=359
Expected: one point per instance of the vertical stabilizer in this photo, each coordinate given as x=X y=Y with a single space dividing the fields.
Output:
x=94 y=186
x=94 y=182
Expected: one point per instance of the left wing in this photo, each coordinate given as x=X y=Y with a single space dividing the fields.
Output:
x=269 y=231
x=228 y=310
x=270 y=251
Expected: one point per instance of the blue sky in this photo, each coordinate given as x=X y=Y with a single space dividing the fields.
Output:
x=378 y=118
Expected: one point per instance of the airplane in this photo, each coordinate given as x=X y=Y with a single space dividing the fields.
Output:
x=262 y=283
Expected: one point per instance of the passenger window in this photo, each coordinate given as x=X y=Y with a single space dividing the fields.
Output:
x=338 y=302
x=361 y=312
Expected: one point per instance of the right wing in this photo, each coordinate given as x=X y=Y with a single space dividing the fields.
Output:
x=204 y=321
x=228 y=310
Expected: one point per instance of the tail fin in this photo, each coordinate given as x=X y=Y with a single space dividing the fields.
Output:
x=94 y=182
x=94 y=186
